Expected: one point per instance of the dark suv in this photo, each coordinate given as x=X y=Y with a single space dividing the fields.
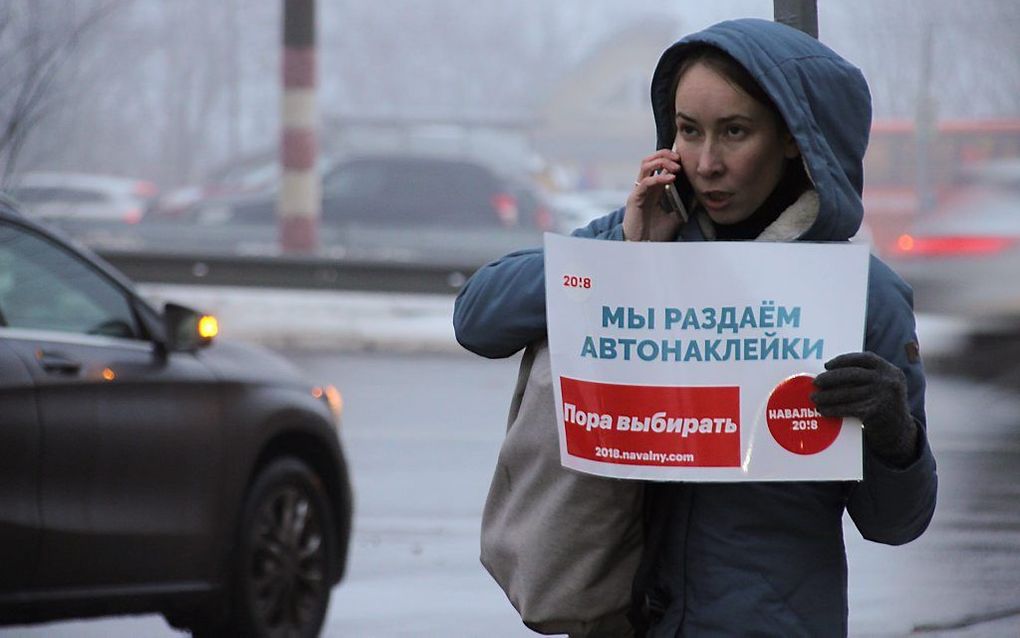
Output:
x=423 y=191
x=146 y=467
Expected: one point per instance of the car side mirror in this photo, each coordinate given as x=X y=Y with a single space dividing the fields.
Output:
x=187 y=330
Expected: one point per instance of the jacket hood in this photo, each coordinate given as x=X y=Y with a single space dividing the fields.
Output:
x=824 y=100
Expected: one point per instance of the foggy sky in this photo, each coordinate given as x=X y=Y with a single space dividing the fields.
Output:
x=171 y=89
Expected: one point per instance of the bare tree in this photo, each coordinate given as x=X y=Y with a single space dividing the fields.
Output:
x=37 y=40
x=973 y=58
x=168 y=89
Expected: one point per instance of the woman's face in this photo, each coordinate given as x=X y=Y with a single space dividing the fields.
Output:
x=731 y=146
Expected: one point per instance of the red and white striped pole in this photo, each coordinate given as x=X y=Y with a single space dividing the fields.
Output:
x=300 y=199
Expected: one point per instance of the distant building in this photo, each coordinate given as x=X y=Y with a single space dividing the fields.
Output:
x=596 y=124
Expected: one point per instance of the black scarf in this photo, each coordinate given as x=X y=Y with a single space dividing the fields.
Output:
x=791 y=185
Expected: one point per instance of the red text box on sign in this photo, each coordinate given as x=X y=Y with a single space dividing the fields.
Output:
x=701 y=448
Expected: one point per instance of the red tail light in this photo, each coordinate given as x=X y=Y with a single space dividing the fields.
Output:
x=506 y=209
x=951 y=245
x=543 y=218
x=145 y=189
x=133 y=216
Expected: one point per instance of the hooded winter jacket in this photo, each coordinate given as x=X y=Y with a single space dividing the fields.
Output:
x=754 y=559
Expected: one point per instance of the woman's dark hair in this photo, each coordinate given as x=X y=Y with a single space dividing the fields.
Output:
x=724 y=64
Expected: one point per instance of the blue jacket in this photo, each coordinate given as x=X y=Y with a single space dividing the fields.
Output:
x=754 y=559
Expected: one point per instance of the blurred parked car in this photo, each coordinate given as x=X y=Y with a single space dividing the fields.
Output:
x=409 y=208
x=575 y=209
x=963 y=260
x=259 y=173
x=379 y=190
x=58 y=196
x=145 y=467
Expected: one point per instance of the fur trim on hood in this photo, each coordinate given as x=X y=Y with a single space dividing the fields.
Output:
x=791 y=224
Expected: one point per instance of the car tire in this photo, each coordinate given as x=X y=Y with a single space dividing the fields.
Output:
x=286 y=541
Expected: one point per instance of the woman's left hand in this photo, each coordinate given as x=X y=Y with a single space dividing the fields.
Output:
x=866 y=386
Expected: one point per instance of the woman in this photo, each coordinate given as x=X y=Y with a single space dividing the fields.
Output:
x=769 y=127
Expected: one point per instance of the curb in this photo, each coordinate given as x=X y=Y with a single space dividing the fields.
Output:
x=321 y=320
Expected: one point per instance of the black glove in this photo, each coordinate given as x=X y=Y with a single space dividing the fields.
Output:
x=866 y=386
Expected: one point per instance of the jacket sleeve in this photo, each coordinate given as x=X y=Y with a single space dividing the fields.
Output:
x=501 y=308
x=894 y=505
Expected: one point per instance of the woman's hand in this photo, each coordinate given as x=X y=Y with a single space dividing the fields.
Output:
x=866 y=386
x=645 y=219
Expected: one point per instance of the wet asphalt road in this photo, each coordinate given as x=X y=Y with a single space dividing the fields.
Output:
x=422 y=434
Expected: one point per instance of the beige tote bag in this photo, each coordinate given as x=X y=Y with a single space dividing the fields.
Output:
x=563 y=545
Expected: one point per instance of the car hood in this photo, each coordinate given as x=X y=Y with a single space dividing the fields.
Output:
x=248 y=363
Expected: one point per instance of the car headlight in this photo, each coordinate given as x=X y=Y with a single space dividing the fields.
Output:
x=333 y=400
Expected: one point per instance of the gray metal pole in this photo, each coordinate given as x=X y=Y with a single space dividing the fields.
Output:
x=926 y=124
x=799 y=14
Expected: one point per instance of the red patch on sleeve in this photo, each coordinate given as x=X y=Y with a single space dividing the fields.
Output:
x=913 y=351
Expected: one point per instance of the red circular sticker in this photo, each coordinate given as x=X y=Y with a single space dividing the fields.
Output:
x=794 y=420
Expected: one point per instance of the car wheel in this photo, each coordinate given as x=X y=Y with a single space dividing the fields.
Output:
x=286 y=543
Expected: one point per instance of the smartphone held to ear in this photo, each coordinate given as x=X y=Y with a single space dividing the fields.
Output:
x=678 y=195
x=675 y=197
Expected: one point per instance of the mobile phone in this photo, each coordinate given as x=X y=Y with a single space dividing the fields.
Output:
x=678 y=195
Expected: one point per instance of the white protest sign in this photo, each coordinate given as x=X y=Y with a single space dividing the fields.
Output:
x=693 y=361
